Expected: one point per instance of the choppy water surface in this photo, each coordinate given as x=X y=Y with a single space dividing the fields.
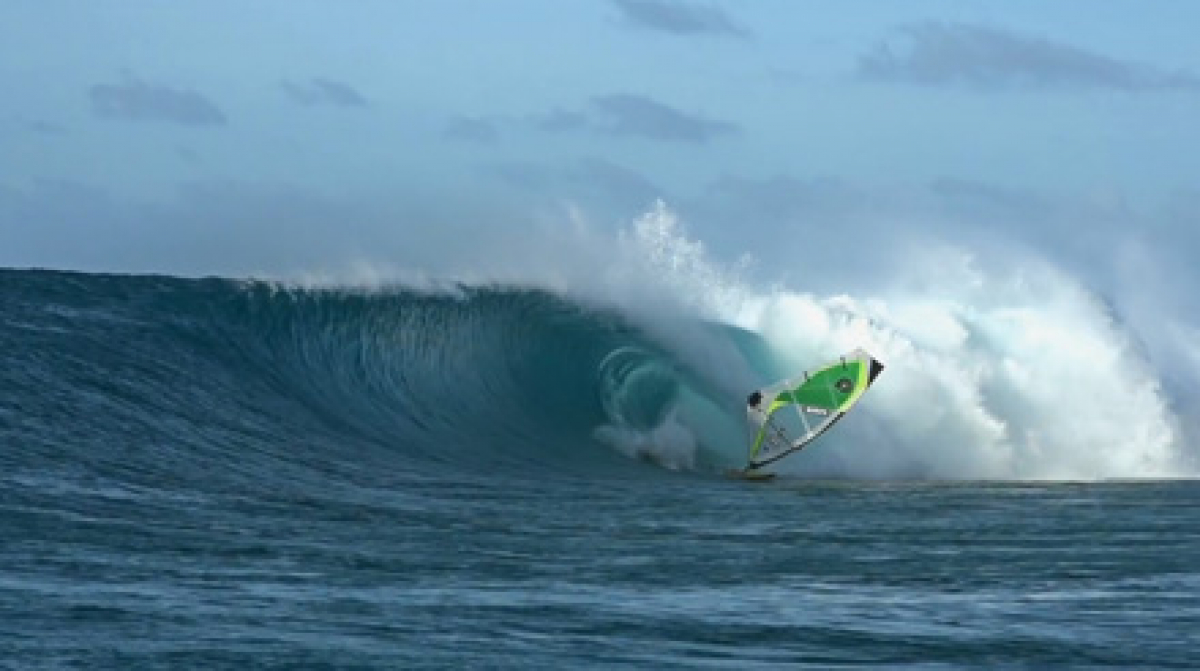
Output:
x=214 y=474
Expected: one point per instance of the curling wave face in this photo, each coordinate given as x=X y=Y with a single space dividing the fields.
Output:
x=141 y=375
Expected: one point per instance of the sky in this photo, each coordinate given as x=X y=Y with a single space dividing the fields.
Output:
x=282 y=138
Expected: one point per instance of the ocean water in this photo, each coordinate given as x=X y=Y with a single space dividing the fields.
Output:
x=210 y=473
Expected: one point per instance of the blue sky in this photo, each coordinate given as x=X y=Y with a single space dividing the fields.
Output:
x=287 y=137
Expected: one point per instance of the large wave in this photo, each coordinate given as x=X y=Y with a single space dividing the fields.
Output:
x=135 y=374
x=1004 y=372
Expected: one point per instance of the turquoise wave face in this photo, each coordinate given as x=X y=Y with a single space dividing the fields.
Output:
x=224 y=379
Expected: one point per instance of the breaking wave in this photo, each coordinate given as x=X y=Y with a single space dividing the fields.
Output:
x=1008 y=373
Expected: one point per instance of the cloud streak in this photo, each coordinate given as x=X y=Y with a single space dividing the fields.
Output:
x=633 y=115
x=137 y=100
x=678 y=18
x=467 y=129
x=318 y=91
x=560 y=120
x=940 y=54
x=598 y=182
x=43 y=127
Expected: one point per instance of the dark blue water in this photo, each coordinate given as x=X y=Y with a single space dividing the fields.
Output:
x=214 y=474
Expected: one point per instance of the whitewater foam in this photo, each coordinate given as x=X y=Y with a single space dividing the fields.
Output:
x=1011 y=370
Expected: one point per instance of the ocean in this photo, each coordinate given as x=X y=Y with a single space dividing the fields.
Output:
x=218 y=473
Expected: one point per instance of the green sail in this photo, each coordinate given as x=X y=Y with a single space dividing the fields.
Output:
x=790 y=414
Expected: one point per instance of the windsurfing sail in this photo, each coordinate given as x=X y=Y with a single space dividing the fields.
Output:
x=788 y=415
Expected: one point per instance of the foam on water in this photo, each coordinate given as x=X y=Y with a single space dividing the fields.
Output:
x=1012 y=370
